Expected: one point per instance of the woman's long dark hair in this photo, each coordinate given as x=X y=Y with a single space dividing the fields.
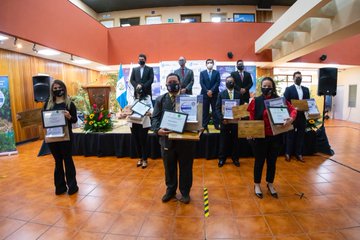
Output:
x=273 y=92
x=52 y=97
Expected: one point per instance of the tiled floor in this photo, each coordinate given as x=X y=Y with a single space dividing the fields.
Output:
x=119 y=201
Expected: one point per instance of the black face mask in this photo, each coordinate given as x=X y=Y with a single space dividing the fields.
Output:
x=173 y=87
x=266 y=91
x=142 y=62
x=58 y=93
x=240 y=67
x=230 y=85
x=298 y=81
x=181 y=62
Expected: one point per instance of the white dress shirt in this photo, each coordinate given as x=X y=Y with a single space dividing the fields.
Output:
x=299 y=91
x=141 y=71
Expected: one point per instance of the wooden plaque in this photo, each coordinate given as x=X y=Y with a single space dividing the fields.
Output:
x=251 y=128
x=99 y=95
x=189 y=136
x=277 y=129
x=240 y=111
x=300 y=105
x=30 y=117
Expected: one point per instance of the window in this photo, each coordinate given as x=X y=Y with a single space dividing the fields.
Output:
x=218 y=17
x=352 y=95
x=264 y=16
x=153 y=20
x=190 y=18
x=127 y=22
x=284 y=81
x=108 y=23
x=244 y=17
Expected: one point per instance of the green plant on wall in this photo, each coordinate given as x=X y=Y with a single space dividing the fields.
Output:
x=112 y=81
x=81 y=99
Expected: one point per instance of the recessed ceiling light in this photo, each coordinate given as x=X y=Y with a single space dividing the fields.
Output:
x=103 y=68
x=81 y=61
x=48 y=52
x=2 y=38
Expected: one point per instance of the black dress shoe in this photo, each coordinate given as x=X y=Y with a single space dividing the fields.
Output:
x=60 y=191
x=273 y=194
x=206 y=129
x=300 y=158
x=221 y=163
x=236 y=163
x=139 y=163
x=168 y=196
x=73 y=190
x=287 y=158
x=259 y=195
x=185 y=199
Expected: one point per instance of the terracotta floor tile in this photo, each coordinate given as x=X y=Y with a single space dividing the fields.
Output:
x=56 y=233
x=8 y=226
x=245 y=207
x=189 y=227
x=73 y=218
x=26 y=213
x=220 y=208
x=29 y=231
x=351 y=233
x=163 y=209
x=118 y=237
x=326 y=235
x=283 y=224
x=137 y=206
x=127 y=225
x=90 y=203
x=157 y=226
x=253 y=227
x=193 y=209
x=99 y=222
x=354 y=213
x=48 y=216
x=339 y=219
x=221 y=227
x=235 y=192
x=312 y=222
x=293 y=237
x=217 y=193
x=272 y=205
x=88 y=236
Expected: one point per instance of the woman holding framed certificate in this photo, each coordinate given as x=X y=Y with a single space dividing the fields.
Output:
x=140 y=124
x=267 y=148
x=61 y=150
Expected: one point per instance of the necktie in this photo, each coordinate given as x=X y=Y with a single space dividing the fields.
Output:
x=172 y=102
x=242 y=76
x=231 y=95
x=182 y=72
x=210 y=75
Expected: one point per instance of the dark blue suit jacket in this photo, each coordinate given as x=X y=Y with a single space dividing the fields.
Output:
x=209 y=84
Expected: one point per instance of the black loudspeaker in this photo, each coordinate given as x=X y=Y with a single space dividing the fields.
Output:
x=41 y=85
x=327 y=81
x=230 y=55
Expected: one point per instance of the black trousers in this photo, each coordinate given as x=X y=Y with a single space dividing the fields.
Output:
x=266 y=149
x=174 y=152
x=139 y=135
x=229 y=141
x=206 y=110
x=295 y=138
x=62 y=153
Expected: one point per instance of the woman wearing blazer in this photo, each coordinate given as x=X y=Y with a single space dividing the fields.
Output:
x=267 y=148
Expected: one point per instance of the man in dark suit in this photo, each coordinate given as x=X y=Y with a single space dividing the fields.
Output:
x=142 y=77
x=295 y=138
x=186 y=77
x=228 y=131
x=243 y=81
x=209 y=81
x=173 y=152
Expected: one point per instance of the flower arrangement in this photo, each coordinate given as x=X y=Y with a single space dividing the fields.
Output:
x=99 y=120
x=312 y=124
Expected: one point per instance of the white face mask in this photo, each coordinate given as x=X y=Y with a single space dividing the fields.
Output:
x=209 y=66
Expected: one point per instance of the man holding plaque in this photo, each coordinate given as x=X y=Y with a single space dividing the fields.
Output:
x=295 y=138
x=186 y=77
x=228 y=130
x=173 y=152
x=243 y=81
x=142 y=76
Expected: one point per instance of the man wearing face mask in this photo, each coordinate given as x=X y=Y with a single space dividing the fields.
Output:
x=228 y=131
x=295 y=138
x=243 y=81
x=142 y=76
x=186 y=77
x=209 y=81
x=173 y=152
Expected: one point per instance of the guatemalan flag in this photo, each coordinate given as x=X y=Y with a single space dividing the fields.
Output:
x=121 y=89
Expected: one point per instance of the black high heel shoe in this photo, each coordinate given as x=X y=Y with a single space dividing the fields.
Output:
x=273 y=194
x=259 y=195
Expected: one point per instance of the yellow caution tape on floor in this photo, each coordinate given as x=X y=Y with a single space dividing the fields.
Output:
x=206 y=203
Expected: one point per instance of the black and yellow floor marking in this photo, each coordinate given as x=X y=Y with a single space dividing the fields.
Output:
x=206 y=202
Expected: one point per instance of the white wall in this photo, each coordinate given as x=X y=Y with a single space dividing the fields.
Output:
x=348 y=77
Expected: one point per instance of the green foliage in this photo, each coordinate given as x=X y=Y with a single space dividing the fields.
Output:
x=7 y=142
x=99 y=120
x=313 y=124
x=112 y=81
x=81 y=100
x=5 y=111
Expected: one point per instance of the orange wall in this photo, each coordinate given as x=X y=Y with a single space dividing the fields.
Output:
x=194 y=41
x=56 y=24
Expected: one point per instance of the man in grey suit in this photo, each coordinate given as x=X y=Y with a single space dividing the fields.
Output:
x=173 y=152
x=142 y=77
x=186 y=77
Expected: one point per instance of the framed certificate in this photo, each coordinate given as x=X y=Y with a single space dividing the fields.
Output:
x=140 y=108
x=53 y=118
x=278 y=115
x=173 y=121
x=227 y=107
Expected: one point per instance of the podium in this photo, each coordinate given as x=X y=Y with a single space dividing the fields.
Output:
x=98 y=95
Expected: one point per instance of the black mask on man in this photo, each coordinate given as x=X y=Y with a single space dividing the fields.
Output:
x=173 y=87
x=266 y=91
x=298 y=81
x=181 y=62
x=230 y=85
x=142 y=62
x=58 y=93
x=240 y=67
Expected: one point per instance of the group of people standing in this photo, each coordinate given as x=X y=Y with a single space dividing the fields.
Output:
x=181 y=153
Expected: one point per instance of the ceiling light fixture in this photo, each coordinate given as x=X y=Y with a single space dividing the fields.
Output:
x=16 y=43
x=34 y=48
x=48 y=52
x=2 y=38
x=71 y=57
x=81 y=61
